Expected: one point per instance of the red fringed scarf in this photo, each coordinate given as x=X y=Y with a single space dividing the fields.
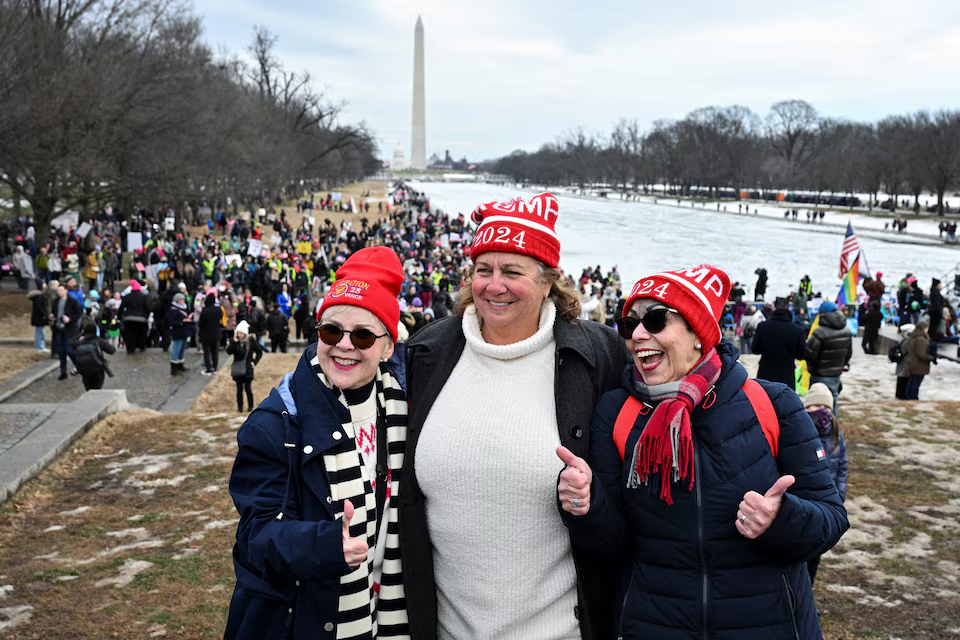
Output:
x=666 y=444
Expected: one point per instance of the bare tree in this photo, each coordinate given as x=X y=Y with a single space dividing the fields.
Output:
x=792 y=133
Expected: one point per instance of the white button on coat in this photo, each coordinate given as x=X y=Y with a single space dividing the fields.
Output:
x=337 y=435
x=328 y=626
x=308 y=449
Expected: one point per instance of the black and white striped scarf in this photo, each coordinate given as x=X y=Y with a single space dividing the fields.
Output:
x=362 y=611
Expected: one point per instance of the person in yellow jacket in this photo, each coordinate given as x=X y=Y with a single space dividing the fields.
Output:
x=92 y=270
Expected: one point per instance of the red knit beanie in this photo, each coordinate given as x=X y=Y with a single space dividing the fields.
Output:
x=516 y=226
x=370 y=279
x=699 y=294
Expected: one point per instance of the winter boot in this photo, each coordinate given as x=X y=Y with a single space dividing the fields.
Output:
x=181 y=367
x=174 y=369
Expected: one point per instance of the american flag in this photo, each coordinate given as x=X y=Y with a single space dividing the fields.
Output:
x=850 y=251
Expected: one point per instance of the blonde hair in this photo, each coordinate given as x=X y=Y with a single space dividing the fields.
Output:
x=562 y=292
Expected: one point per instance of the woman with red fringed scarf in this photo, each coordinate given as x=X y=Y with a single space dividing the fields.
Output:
x=709 y=499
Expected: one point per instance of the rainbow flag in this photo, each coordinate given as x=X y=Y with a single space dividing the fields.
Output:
x=848 y=290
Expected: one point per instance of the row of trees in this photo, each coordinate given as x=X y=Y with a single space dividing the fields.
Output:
x=119 y=102
x=793 y=148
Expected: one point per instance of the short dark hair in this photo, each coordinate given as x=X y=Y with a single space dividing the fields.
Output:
x=780 y=303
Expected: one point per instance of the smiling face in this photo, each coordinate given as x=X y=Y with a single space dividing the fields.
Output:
x=666 y=356
x=345 y=366
x=508 y=290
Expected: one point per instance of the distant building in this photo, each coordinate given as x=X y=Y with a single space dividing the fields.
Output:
x=399 y=162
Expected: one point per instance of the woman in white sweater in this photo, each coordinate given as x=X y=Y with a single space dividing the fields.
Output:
x=493 y=392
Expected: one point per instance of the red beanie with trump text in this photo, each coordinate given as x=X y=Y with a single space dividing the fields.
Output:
x=698 y=293
x=521 y=227
x=370 y=279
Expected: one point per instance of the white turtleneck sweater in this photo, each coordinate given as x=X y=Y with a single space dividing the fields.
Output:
x=487 y=465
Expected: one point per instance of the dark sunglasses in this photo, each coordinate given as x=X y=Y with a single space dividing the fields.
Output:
x=361 y=338
x=653 y=321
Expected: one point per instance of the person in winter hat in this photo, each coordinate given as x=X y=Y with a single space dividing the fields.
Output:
x=833 y=446
x=681 y=468
x=246 y=351
x=181 y=326
x=318 y=472
x=517 y=353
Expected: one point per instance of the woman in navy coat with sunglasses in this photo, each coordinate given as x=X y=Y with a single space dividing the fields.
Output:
x=710 y=490
x=317 y=474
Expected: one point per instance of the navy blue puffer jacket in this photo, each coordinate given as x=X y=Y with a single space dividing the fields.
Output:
x=686 y=572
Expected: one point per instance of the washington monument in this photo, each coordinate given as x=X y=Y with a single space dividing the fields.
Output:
x=418 y=152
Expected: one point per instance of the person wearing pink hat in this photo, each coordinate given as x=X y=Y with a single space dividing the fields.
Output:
x=318 y=469
x=493 y=390
x=711 y=490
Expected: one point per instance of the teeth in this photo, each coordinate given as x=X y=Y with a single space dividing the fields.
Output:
x=499 y=304
x=345 y=362
x=646 y=353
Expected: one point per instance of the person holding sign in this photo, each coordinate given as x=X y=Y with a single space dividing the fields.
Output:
x=493 y=390
x=709 y=490
x=318 y=472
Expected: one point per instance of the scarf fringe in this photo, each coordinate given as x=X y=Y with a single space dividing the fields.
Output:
x=665 y=448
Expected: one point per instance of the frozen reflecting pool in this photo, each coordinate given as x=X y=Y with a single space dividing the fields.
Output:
x=642 y=238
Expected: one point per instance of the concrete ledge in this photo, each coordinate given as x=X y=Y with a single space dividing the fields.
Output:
x=23 y=379
x=25 y=460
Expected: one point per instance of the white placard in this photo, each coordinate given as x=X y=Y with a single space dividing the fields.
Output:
x=445 y=240
x=261 y=212
x=169 y=224
x=134 y=240
x=233 y=258
x=275 y=240
x=336 y=196
x=454 y=236
x=83 y=229
x=254 y=248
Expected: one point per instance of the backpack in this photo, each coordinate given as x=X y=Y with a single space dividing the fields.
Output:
x=749 y=330
x=89 y=358
x=758 y=398
x=898 y=351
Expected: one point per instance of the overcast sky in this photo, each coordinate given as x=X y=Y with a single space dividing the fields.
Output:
x=513 y=74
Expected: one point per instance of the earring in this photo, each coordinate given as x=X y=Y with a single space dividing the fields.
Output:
x=699 y=346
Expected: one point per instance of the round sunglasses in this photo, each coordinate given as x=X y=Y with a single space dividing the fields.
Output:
x=653 y=321
x=331 y=334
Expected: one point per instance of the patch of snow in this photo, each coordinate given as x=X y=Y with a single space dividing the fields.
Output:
x=65 y=578
x=186 y=553
x=193 y=537
x=213 y=488
x=5 y=589
x=128 y=572
x=110 y=455
x=11 y=617
x=215 y=416
x=95 y=485
x=220 y=524
x=49 y=556
x=158 y=482
x=74 y=512
x=134 y=518
x=56 y=527
x=139 y=533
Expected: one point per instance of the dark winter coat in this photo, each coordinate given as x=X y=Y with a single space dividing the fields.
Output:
x=685 y=570
x=779 y=342
x=248 y=351
x=935 y=311
x=589 y=358
x=72 y=310
x=278 y=324
x=39 y=311
x=919 y=356
x=208 y=326
x=178 y=323
x=288 y=569
x=134 y=307
x=835 y=452
x=830 y=347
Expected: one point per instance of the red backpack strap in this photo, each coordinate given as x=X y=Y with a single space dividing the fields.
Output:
x=765 y=413
x=625 y=421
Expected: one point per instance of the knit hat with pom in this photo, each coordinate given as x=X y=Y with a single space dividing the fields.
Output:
x=521 y=227
x=698 y=294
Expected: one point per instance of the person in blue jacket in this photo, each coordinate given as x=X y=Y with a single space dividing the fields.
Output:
x=710 y=527
x=284 y=301
x=317 y=474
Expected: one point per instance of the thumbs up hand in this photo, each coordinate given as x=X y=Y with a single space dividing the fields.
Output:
x=354 y=549
x=757 y=512
x=573 y=487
